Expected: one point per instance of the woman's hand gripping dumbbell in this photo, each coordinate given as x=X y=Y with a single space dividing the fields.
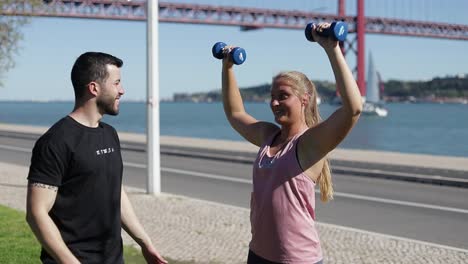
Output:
x=237 y=54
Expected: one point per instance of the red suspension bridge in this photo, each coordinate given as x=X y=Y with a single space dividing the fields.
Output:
x=246 y=18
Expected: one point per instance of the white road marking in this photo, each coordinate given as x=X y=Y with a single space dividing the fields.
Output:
x=15 y=148
x=348 y=195
x=207 y=175
x=337 y=194
x=248 y=181
x=399 y=202
x=402 y=174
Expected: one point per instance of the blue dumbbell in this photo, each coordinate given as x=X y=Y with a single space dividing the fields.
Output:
x=338 y=30
x=238 y=55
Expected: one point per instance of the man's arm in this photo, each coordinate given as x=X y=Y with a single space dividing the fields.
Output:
x=39 y=201
x=133 y=227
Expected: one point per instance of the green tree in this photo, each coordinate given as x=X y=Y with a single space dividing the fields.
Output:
x=10 y=31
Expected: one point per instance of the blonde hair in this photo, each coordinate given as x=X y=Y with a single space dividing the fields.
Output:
x=301 y=85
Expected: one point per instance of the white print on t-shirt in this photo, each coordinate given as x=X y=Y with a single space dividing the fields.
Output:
x=104 y=151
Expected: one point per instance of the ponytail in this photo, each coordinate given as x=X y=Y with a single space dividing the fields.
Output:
x=325 y=182
x=312 y=117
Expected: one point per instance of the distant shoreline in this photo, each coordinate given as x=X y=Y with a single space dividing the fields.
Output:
x=401 y=131
x=388 y=100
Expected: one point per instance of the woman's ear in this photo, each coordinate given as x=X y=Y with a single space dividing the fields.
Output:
x=305 y=99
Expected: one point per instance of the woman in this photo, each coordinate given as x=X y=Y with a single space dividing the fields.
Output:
x=292 y=157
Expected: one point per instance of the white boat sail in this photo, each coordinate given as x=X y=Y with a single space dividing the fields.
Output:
x=372 y=104
x=318 y=100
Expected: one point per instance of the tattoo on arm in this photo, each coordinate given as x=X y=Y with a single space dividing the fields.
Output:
x=44 y=186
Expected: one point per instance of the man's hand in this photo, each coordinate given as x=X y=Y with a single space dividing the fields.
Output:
x=134 y=228
x=152 y=256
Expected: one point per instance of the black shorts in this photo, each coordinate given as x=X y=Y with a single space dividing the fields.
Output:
x=255 y=259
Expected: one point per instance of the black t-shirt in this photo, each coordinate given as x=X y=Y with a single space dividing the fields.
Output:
x=86 y=165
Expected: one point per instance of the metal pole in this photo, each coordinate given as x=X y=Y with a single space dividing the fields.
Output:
x=153 y=183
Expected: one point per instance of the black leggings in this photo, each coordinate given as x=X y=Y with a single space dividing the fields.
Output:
x=255 y=259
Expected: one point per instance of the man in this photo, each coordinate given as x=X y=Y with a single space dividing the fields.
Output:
x=76 y=204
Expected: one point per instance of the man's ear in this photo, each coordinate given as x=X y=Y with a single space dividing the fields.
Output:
x=93 y=88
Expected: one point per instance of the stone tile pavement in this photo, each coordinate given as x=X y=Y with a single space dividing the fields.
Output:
x=205 y=232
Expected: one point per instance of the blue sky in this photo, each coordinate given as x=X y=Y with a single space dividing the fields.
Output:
x=51 y=45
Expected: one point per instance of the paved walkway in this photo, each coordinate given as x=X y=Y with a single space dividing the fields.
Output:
x=204 y=232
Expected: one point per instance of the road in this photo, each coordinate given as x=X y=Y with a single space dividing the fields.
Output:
x=431 y=213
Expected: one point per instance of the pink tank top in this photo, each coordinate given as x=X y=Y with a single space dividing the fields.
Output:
x=282 y=208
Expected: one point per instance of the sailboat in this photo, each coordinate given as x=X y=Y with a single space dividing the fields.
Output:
x=372 y=104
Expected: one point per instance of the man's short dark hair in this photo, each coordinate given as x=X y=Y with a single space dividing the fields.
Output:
x=91 y=67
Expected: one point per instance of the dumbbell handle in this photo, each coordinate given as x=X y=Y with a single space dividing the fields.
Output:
x=338 y=30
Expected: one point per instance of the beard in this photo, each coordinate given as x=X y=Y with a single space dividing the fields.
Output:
x=106 y=106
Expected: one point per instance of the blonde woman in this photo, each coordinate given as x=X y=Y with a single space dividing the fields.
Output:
x=293 y=157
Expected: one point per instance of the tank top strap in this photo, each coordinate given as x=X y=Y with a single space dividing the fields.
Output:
x=273 y=137
x=291 y=144
x=270 y=139
x=297 y=136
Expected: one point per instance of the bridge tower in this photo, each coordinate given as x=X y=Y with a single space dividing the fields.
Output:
x=359 y=39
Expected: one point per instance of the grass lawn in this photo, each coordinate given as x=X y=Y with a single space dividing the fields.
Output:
x=18 y=244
